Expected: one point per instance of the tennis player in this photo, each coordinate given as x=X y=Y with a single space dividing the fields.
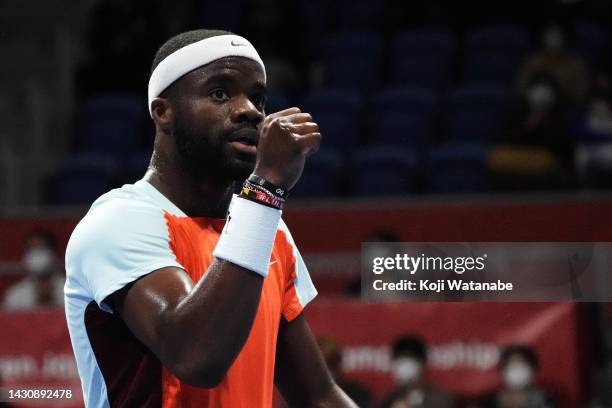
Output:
x=180 y=293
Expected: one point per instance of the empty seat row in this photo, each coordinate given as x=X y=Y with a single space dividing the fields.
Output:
x=372 y=171
x=368 y=171
x=357 y=60
x=425 y=57
x=387 y=171
x=409 y=116
x=83 y=176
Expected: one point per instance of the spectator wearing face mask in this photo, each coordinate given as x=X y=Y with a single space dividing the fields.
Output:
x=556 y=59
x=43 y=284
x=408 y=369
x=518 y=367
x=593 y=129
x=593 y=124
x=536 y=150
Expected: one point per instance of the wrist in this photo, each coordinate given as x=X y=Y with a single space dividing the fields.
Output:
x=272 y=178
x=261 y=196
x=248 y=236
x=274 y=188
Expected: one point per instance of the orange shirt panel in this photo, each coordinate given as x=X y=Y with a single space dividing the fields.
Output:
x=250 y=380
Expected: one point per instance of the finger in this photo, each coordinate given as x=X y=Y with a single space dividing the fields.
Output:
x=309 y=143
x=297 y=118
x=284 y=112
x=303 y=128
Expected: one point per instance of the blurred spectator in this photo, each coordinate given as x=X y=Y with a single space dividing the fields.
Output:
x=43 y=285
x=518 y=366
x=382 y=236
x=556 y=59
x=536 y=150
x=408 y=370
x=332 y=353
x=594 y=123
x=593 y=129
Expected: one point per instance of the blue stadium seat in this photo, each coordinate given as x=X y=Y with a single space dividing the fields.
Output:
x=402 y=117
x=321 y=176
x=494 y=53
x=458 y=169
x=111 y=123
x=380 y=171
x=422 y=58
x=590 y=41
x=82 y=177
x=352 y=61
x=337 y=113
x=476 y=112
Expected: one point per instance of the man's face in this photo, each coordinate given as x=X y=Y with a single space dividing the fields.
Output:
x=217 y=111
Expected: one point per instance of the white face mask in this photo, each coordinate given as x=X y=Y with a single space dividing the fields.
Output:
x=406 y=370
x=554 y=40
x=540 y=96
x=38 y=260
x=517 y=375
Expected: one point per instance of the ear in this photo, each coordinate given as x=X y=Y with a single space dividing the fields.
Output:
x=163 y=115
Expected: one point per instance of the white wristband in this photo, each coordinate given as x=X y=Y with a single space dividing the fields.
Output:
x=248 y=236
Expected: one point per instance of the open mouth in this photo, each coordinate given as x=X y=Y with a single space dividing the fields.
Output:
x=247 y=136
x=245 y=140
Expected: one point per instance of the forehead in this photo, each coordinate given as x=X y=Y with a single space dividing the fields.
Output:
x=238 y=68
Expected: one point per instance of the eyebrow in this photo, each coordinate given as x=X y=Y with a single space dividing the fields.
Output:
x=231 y=78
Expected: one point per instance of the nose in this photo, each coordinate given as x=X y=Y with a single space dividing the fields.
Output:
x=245 y=111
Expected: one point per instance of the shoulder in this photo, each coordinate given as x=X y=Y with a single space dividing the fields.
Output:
x=118 y=217
x=123 y=237
x=119 y=209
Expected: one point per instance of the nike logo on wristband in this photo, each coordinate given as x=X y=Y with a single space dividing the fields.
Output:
x=237 y=44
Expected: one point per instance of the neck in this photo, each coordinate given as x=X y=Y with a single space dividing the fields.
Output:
x=196 y=198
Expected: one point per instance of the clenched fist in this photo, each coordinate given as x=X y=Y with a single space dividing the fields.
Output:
x=286 y=139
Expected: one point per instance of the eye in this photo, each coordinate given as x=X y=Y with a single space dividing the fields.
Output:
x=219 y=95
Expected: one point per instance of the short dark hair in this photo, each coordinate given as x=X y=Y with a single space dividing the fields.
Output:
x=521 y=349
x=410 y=345
x=45 y=235
x=181 y=40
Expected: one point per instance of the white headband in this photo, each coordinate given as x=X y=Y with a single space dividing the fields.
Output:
x=196 y=55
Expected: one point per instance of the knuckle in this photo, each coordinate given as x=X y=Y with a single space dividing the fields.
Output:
x=275 y=123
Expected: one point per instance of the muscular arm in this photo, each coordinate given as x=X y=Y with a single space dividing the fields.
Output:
x=195 y=330
x=198 y=330
x=301 y=374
